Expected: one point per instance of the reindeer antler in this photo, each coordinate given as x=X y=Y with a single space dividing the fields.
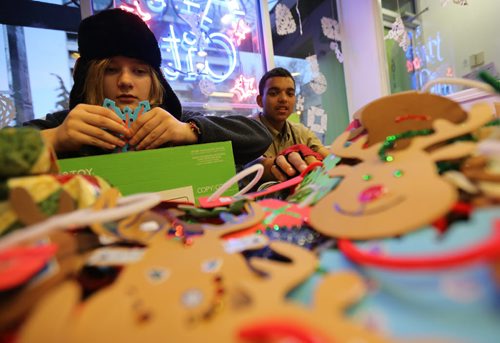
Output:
x=479 y=115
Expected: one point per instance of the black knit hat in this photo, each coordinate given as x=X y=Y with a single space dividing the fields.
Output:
x=116 y=32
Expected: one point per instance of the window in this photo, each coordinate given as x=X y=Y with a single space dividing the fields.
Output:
x=306 y=41
x=447 y=38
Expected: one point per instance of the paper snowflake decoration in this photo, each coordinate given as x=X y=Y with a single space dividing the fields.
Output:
x=7 y=111
x=299 y=106
x=331 y=28
x=313 y=62
x=398 y=33
x=285 y=23
x=244 y=88
x=316 y=119
x=207 y=87
x=335 y=47
x=319 y=84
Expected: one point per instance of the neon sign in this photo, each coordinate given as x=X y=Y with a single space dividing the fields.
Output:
x=240 y=29
x=419 y=59
x=244 y=88
x=137 y=10
x=203 y=51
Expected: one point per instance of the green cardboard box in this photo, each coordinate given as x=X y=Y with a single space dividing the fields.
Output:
x=181 y=173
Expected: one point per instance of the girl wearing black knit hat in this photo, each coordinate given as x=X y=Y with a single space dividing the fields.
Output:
x=120 y=60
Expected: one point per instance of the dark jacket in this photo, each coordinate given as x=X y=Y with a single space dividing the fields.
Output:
x=249 y=138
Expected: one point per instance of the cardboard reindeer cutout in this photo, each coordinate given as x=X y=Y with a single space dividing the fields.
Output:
x=390 y=193
x=199 y=292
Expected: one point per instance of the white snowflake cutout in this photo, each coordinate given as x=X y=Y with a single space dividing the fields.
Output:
x=319 y=84
x=207 y=87
x=313 y=62
x=335 y=47
x=300 y=103
x=316 y=119
x=331 y=28
x=7 y=111
x=285 y=23
x=398 y=33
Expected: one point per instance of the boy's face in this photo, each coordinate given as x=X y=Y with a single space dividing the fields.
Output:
x=127 y=81
x=278 y=100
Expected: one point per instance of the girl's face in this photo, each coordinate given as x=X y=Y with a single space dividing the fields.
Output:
x=127 y=81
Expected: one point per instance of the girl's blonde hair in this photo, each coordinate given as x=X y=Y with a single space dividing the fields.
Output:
x=94 y=84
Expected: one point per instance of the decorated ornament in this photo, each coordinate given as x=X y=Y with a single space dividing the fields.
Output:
x=317 y=119
x=316 y=184
x=398 y=33
x=285 y=24
x=374 y=194
x=404 y=112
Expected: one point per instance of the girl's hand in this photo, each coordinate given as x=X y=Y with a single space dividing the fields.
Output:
x=158 y=127
x=88 y=125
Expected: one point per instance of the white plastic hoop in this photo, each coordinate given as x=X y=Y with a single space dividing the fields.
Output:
x=256 y=168
x=458 y=81
x=125 y=207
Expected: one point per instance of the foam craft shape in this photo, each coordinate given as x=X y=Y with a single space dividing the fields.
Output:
x=178 y=304
x=19 y=264
x=406 y=111
x=26 y=194
x=65 y=263
x=53 y=310
x=387 y=205
x=182 y=268
x=277 y=212
x=130 y=229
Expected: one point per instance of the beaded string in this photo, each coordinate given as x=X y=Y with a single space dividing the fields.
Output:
x=391 y=140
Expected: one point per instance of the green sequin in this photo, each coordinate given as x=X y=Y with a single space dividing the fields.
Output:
x=391 y=140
